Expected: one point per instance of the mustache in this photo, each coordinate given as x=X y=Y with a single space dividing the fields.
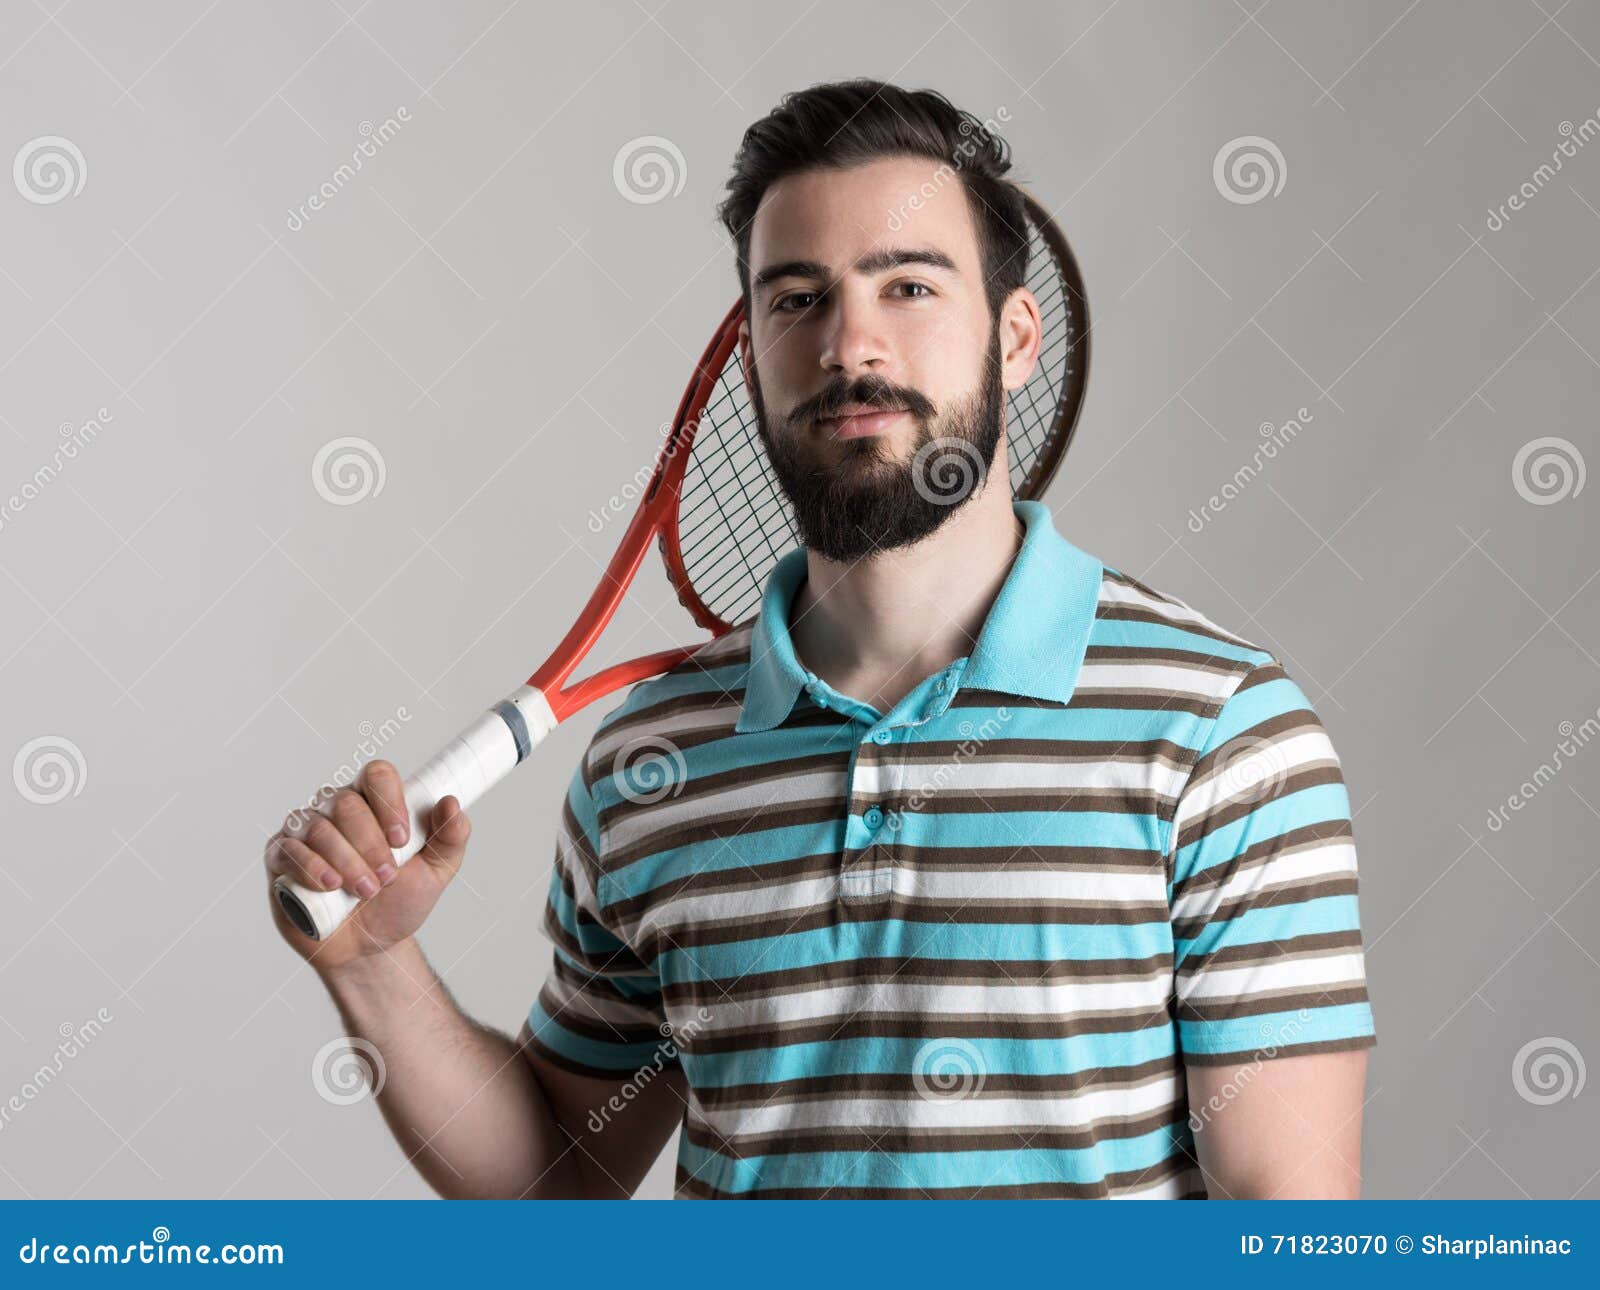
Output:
x=867 y=392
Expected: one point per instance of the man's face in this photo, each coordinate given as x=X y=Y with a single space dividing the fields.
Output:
x=877 y=375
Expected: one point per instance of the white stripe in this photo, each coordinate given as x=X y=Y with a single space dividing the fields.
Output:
x=916 y=1112
x=674 y=811
x=992 y=774
x=1031 y=999
x=1271 y=977
x=769 y=899
x=1329 y=859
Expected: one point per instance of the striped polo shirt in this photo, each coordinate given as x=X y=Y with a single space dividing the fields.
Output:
x=966 y=947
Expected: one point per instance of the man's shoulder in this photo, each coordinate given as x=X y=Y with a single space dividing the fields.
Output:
x=1144 y=616
x=660 y=719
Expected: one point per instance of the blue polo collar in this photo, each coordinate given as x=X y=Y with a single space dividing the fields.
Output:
x=1031 y=645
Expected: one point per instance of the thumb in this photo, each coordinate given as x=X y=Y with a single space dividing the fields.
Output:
x=448 y=831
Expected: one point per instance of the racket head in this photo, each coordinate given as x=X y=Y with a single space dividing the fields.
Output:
x=731 y=521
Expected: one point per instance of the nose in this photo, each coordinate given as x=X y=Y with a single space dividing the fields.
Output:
x=854 y=344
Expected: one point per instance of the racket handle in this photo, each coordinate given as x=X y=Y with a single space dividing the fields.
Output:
x=466 y=768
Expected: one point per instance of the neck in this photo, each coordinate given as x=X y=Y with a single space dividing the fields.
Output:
x=875 y=628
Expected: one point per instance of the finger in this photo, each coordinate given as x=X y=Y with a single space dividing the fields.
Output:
x=447 y=836
x=293 y=857
x=380 y=783
x=350 y=811
x=329 y=842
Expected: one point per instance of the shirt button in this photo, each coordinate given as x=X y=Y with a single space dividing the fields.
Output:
x=873 y=817
x=881 y=737
x=940 y=686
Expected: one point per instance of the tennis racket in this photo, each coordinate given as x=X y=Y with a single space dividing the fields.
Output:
x=721 y=522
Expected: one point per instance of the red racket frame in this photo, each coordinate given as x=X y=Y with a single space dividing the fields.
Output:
x=656 y=516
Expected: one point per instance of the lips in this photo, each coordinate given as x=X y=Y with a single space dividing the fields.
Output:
x=859 y=422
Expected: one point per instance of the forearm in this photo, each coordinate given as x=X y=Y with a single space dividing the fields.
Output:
x=459 y=1098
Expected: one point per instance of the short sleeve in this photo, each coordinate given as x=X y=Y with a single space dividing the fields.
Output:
x=600 y=1011
x=1266 y=936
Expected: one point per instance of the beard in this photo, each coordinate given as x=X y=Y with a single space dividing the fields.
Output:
x=853 y=498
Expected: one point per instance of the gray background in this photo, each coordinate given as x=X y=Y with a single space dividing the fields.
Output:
x=484 y=305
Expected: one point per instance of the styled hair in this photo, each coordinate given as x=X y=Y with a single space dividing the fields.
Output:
x=849 y=123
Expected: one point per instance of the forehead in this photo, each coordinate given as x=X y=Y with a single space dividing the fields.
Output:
x=836 y=216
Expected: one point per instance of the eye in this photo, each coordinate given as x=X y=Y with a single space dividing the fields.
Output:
x=788 y=303
x=910 y=286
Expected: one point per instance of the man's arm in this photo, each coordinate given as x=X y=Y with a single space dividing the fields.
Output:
x=1285 y=1128
x=483 y=1117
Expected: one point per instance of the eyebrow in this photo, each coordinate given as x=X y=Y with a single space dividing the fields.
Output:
x=873 y=262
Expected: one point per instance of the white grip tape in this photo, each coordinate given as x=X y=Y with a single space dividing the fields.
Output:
x=466 y=768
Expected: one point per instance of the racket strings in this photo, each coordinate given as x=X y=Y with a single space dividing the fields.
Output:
x=734 y=522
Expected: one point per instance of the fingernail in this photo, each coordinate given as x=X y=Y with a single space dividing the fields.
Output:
x=366 y=886
x=385 y=873
x=397 y=834
x=330 y=880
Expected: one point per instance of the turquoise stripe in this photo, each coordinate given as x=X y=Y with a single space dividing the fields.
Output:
x=888 y=1055
x=1277 y=1029
x=930 y=1170
x=607 y=1055
x=1275 y=923
x=979 y=942
x=1272 y=819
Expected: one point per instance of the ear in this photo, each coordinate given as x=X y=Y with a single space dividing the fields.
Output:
x=744 y=349
x=1021 y=335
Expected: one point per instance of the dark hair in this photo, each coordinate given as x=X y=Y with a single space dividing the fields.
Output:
x=849 y=123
